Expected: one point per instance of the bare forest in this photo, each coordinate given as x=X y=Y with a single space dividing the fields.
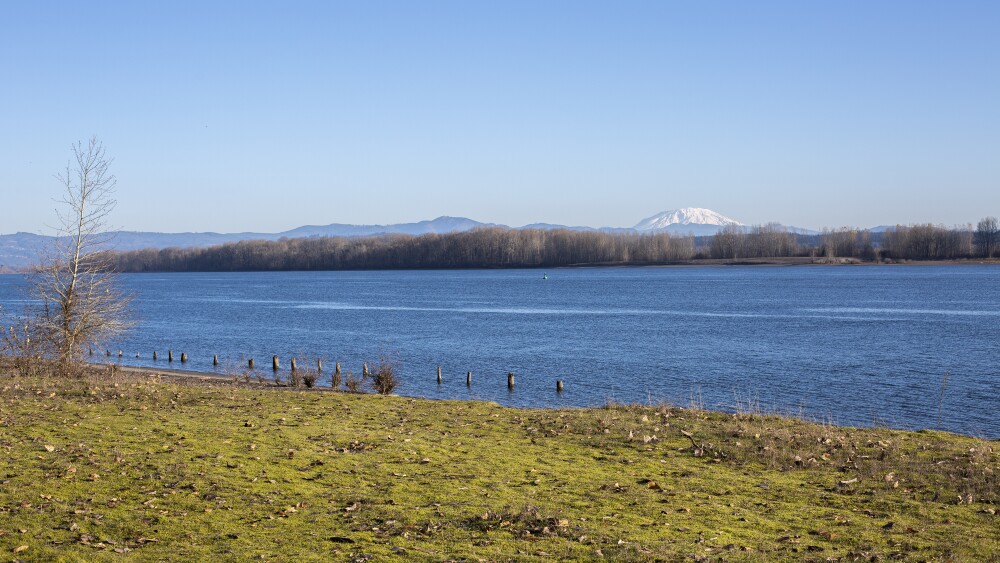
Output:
x=480 y=248
x=531 y=248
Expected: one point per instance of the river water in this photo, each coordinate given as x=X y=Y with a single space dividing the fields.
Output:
x=910 y=347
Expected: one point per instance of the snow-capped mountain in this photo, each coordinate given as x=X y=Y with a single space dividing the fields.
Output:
x=695 y=220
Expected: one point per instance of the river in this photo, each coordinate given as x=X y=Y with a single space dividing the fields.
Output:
x=909 y=347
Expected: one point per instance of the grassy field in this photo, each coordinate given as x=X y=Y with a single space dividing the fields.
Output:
x=149 y=468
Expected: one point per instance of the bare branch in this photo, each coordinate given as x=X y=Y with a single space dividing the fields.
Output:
x=82 y=300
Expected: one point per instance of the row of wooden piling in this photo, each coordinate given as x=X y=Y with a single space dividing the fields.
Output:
x=510 y=380
x=170 y=356
x=276 y=366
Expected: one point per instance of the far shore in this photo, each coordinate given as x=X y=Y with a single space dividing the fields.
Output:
x=705 y=262
x=791 y=261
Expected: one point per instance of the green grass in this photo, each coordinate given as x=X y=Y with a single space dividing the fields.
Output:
x=144 y=469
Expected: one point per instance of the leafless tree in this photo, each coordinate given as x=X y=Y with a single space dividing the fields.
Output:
x=847 y=242
x=987 y=237
x=927 y=242
x=761 y=241
x=82 y=303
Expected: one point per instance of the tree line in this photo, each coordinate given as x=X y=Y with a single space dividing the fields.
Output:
x=496 y=247
x=480 y=248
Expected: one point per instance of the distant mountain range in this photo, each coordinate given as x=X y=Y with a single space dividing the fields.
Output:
x=21 y=249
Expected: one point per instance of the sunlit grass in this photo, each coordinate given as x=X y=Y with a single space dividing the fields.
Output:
x=172 y=470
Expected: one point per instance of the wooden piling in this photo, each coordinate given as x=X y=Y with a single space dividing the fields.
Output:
x=170 y=355
x=364 y=369
x=107 y=353
x=293 y=364
x=319 y=365
x=510 y=380
x=250 y=363
x=275 y=364
x=154 y=355
x=184 y=358
x=559 y=386
x=91 y=351
x=119 y=353
x=439 y=375
x=335 y=380
x=468 y=379
x=215 y=360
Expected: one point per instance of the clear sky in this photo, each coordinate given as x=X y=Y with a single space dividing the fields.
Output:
x=248 y=116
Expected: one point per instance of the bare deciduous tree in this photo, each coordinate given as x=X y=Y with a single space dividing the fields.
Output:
x=987 y=237
x=82 y=303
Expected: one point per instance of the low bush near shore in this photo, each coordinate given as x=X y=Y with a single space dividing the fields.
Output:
x=384 y=379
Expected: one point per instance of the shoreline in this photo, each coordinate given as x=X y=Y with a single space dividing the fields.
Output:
x=695 y=263
x=264 y=383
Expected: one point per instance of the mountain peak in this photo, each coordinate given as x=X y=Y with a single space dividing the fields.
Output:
x=685 y=216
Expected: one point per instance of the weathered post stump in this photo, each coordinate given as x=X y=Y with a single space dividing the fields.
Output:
x=293 y=365
x=439 y=375
x=170 y=355
x=319 y=365
x=364 y=369
x=250 y=363
x=275 y=364
x=154 y=355
x=510 y=380
x=559 y=386
x=184 y=358
x=335 y=380
x=468 y=379
x=215 y=360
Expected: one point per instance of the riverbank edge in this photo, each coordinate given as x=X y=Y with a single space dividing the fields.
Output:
x=263 y=383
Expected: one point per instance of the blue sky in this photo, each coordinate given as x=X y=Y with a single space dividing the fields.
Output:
x=266 y=116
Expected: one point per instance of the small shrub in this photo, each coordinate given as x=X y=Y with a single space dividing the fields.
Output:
x=309 y=377
x=239 y=372
x=113 y=371
x=21 y=352
x=295 y=378
x=353 y=383
x=384 y=379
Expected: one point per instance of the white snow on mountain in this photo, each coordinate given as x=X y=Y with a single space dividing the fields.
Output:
x=684 y=217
